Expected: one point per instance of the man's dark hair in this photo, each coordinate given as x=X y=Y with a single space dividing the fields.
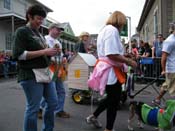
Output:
x=171 y=27
x=159 y=35
x=35 y=10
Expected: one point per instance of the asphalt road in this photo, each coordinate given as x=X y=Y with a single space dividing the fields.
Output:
x=12 y=105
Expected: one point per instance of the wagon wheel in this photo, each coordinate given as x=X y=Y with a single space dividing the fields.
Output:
x=77 y=97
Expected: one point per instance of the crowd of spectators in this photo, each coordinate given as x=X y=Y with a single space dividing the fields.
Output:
x=143 y=51
x=68 y=54
x=7 y=65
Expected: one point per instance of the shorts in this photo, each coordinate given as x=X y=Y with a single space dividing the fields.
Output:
x=169 y=84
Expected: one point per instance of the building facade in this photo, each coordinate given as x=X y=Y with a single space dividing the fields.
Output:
x=12 y=16
x=155 y=19
x=68 y=38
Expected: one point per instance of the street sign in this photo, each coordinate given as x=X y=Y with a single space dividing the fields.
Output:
x=124 y=31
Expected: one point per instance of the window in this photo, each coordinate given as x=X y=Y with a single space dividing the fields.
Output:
x=7 y=4
x=8 y=41
x=155 y=22
x=146 y=33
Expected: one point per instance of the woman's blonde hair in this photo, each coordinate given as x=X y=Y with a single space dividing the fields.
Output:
x=117 y=19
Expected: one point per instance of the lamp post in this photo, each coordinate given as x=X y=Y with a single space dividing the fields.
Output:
x=129 y=32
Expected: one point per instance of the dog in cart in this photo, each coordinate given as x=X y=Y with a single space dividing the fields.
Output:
x=163 y=119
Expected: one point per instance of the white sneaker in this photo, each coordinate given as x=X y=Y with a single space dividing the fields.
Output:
x=93 y=120
x=130 y=128
x=140 y=124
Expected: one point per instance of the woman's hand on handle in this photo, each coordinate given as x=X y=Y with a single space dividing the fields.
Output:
x=133 y=64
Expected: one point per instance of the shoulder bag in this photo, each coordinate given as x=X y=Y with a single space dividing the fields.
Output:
x=43 y=75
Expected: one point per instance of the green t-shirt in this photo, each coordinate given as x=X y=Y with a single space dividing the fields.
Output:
x=26 y=40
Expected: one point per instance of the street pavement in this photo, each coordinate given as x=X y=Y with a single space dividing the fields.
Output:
x=12 y=106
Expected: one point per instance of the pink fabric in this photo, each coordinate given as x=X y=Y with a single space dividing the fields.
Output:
x=98 y=79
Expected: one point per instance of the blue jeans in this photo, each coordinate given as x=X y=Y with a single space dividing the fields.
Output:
x=61 y=93
x=34 y=92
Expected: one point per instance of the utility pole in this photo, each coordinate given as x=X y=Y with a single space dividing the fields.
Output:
x=129 y=32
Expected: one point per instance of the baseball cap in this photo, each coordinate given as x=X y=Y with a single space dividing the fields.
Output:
x=56 y=25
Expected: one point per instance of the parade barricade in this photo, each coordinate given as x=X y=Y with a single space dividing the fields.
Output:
x=149 y=68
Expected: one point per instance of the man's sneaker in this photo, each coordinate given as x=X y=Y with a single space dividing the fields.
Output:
x=40 y=114
x=63 y=114
x=156 y=102
x=93 y=120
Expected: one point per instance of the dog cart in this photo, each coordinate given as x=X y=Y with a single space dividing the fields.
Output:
x=79 y=70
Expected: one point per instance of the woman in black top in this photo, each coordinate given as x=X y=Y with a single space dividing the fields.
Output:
x=148 y=51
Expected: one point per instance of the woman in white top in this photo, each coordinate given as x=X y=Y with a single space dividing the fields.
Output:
x=109 y=46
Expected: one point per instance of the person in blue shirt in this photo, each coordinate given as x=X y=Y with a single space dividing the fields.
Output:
x=157 y=46
x=157 y=53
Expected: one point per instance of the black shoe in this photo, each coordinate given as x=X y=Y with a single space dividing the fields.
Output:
x=40 y=114
x=63 y=114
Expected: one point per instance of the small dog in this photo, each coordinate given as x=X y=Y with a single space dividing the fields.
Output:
x=163 y=119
